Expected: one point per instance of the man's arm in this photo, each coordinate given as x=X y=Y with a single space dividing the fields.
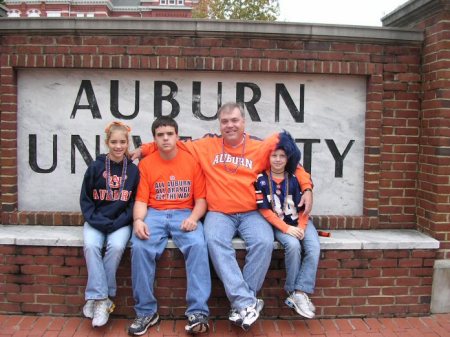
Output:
x=140 y=228
x=306 y=185
x=190 y=224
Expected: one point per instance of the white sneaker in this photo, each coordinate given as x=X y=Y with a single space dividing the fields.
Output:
x=312 y=307
x=102 y=309
x=251 y=314
x=234 y=317
x=88 y=309
x=301 y=304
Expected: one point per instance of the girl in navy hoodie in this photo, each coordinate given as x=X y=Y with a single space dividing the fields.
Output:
x=106 y=200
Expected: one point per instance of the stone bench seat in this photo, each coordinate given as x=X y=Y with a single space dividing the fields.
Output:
x=72 y=236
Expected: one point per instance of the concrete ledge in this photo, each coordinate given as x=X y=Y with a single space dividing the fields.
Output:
x=72 y=236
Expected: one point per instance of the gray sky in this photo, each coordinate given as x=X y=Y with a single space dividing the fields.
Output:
x=345 y=12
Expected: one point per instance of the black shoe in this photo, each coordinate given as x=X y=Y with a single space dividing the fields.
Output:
x=141 y=324
x=197 y=323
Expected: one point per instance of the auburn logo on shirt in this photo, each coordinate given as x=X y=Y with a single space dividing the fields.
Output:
x=225 y=158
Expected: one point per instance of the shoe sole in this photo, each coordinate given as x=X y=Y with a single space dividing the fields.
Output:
x=259 y=307
x=297 y=309
x=149 y=325
x=197 y=328
x=110 y=310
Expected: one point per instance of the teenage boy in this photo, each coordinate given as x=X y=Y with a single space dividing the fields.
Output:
x=169 y=203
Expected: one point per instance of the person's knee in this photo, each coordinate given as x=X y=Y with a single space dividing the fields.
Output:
x=92 y=247
x=117 y=248
x=292 y=246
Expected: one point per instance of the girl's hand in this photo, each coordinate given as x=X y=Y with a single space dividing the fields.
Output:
x=296 y=232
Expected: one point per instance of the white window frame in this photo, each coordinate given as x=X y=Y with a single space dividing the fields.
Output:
x=53 y=14
x=14 y=13
x=33 y=13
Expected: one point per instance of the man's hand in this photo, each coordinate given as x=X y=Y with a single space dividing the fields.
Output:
x=296 y=232
x=307 y=200
x=141 y=230
x=136 y=154
x=188 y=225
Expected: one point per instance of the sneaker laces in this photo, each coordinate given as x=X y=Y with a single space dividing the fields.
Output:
x=138 y=321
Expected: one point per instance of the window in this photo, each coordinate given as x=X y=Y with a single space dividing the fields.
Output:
x=33 y=13
x=53 y=14
x=171 y=2
x=90 y=15
x=80 y=15
x=14 y=13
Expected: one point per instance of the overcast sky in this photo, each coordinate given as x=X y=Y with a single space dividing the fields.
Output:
x=346 y=12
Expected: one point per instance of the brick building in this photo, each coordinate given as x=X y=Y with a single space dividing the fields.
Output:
x=101 y=8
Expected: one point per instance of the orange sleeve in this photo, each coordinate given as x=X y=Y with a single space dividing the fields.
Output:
x=302 y=220
x=303 y=178
x=148 y=148
x=143 y=191
x=199 y=184
x=274 y=220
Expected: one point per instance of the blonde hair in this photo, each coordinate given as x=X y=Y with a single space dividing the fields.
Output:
x=117 y=126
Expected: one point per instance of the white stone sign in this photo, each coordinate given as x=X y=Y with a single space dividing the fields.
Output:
x=62 y=115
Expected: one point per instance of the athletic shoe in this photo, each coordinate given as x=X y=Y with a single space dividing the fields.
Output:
x=88 y=309
x=300 y=303
x=197 y=323
x=102 y=309
x=141 y=324
x=251 y=314
x=234 y=317
x=312 y=307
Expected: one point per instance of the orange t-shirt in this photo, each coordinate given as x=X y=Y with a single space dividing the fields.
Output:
x=230 y=174
x=170 y=184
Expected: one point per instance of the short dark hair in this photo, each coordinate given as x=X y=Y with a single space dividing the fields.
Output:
x=164 y=121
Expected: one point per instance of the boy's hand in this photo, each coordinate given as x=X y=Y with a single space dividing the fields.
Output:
x=307 y=200
x=141 y=229
x=296 y=232
x=188 y=225
x=136 y=154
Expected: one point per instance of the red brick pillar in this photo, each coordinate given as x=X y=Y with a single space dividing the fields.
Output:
x=433 y=182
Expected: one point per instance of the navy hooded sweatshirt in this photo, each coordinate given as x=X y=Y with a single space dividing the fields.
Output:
x=100 y=210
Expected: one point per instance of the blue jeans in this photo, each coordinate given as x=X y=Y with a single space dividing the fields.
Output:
x=145 y=253
x=220 y=229
x=301 y=258
x=102 y=269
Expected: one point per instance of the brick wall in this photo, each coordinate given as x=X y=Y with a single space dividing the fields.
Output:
x=392 y=69
x=433 y=202
x=369 y=283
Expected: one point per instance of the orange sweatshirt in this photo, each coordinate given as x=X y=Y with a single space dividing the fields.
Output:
x=170 y=184
x=231 y=172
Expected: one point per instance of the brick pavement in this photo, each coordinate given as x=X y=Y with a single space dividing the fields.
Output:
x=46 y=326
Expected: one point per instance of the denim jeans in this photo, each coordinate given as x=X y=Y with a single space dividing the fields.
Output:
x=301 y=258
x=241 y=287
x=102 y=269
x=163 y=224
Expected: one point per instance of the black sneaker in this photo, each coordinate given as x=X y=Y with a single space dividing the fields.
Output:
x=141 y=324
x=197 y=323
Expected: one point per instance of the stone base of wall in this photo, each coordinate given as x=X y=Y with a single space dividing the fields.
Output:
x=350 y=283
